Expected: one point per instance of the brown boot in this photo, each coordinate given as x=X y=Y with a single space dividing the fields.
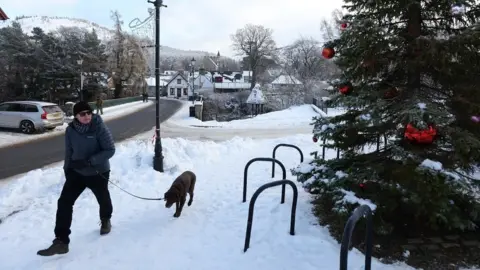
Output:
x=105 y=227
x=58 y=247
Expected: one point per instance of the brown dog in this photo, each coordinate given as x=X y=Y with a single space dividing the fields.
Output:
x=185 y=183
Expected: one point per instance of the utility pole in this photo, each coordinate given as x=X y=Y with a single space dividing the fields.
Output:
x=158 y=157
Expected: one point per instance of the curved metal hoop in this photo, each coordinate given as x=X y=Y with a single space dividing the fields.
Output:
x=137 y=23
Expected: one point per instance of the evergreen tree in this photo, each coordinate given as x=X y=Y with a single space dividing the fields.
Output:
x=408 y=67
x=94 y=63
x=15 y=52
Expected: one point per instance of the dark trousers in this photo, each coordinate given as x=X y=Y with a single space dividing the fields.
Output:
x=74 y=185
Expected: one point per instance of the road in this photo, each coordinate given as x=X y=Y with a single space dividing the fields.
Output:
x=35 y=154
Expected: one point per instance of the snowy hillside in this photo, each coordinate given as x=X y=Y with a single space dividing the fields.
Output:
x=49 y=24
x=53 y=23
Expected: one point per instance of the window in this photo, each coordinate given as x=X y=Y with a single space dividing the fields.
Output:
x=31 y=108
x=185 y=92
x=15 y=107
x=179 y=81
x=172 y=91
x=52 y=109
x=4 y=107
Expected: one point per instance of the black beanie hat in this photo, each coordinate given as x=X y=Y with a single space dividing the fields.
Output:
x=81 y=106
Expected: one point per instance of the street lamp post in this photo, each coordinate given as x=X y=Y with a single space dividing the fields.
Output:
x=250 y=44
x=80 y=62
x=158 y=157
x=193 y=79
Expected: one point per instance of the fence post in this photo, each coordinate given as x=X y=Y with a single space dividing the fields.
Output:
x=323 y=148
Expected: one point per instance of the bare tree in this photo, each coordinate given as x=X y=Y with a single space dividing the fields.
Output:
x=168 y=63
x=257 y=43
x=126 y=59
x=330 y=28
x=302 y=60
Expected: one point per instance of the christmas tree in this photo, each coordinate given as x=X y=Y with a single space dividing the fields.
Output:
x=409 y=140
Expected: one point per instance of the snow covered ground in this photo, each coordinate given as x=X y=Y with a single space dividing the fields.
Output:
x=9 y=138
x=330 y=112
x=296 y=116
x=209 y=234
x=294 y=120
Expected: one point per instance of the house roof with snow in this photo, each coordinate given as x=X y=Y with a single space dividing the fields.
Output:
x=169 y=72
x=151 y=81
x=285 y=79
x=174 y=77
x=3 y=15
x=274 y=72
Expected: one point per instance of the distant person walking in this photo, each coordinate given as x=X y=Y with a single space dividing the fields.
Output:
x=145 y=97
x=99 y=105
x=89 y=146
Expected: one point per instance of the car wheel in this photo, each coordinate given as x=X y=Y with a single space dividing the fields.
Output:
x=27 y=127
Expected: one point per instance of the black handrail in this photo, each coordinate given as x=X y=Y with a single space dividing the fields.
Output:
x=359 y=212
x=254 y=198
x=245 y=175
x=284 y=145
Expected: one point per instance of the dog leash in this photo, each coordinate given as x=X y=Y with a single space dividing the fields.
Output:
x=133 y=195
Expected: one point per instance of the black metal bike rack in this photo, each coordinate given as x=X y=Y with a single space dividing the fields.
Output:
x=251 y=207
x=245 y=175
x=284 y=145
x=359 y=212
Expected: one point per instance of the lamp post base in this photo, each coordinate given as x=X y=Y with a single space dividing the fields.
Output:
x=158 y=157
x=158 y=163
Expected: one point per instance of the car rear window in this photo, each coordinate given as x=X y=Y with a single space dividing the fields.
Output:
x=52 y=109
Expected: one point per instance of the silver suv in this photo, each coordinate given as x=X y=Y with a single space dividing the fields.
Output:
x=29 y=116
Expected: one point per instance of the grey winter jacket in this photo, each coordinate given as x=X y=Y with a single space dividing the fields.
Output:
x=96 y=145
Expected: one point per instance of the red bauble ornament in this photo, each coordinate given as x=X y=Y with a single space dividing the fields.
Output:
x=345 y=88
x=343 y=26
x=361 y=185
x=390 y=93
x=415 y=135
x=315 y=139
x=328 y=52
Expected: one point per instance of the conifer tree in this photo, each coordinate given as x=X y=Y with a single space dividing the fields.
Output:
x=410 y=76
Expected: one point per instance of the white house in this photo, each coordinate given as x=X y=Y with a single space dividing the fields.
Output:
x=151 y=85
x=285 y=80
x=233 y=82
x=203 y=83
x=247 y=76
x=178 y=87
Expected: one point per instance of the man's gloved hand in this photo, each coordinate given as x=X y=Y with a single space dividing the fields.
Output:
x=79 y=164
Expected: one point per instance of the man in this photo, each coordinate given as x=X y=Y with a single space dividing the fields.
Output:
x=99 y=105
x=88 y=147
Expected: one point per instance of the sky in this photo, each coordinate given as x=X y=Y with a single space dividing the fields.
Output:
x=195 y=24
